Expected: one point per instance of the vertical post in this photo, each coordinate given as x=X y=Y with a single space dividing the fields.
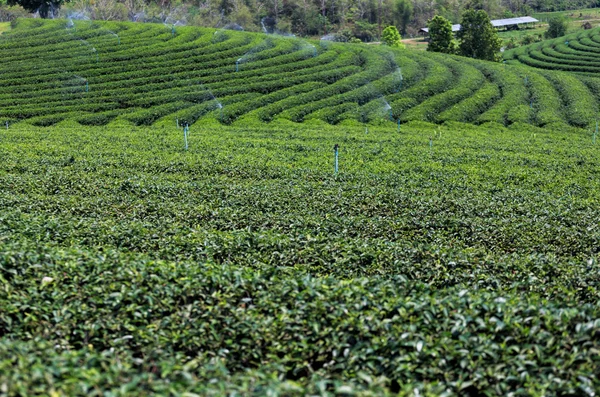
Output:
x=173 y=30
x=430 y=143
x=398 y=124
x=531 y=104
x=593 y=138
x=87 y=87
x=335 y=151
x=391 y=115
x=237 y=67
x=177 y=122
x=7 y=125
x=185 y=136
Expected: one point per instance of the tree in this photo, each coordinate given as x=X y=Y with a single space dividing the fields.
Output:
x=46 y=8
x=390 y=36
x=440 y=36
x=557 y=26
x=478 y=38
x=402 y=13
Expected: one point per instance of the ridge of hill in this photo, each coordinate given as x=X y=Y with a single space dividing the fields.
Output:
x=96 y=73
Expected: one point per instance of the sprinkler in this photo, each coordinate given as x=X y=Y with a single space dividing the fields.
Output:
x=335 y=152
x=237 y=63
x=186 y=130
x=391 y=115
x=173 y=30
x=398 y=124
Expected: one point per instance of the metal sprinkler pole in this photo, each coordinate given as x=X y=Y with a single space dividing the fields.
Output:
x=336 y=152
x=185 y=136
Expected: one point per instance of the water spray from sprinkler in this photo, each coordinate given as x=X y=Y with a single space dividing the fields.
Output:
x=399 y=70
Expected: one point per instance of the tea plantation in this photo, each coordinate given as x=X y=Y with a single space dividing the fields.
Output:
x=577 y=52
x=146 y=74
x=453 y=253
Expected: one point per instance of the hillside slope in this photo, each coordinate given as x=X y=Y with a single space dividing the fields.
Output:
x=97 y=73
x=578 y=52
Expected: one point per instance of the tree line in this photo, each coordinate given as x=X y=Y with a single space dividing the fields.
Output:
x=345 y=20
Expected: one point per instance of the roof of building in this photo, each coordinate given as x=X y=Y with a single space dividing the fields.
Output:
x=496 y=23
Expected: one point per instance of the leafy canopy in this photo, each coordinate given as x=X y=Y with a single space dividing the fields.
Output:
x=46 y=8
x=440 y=35
x=557 y=27
x=391 y=37
x=478 y=38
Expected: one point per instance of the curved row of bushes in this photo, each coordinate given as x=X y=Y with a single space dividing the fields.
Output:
x=83 y=73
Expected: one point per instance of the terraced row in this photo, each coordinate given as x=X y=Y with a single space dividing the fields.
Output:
x=577 y=52
x=101 y=72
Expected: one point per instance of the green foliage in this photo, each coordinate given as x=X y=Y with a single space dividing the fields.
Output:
x=441 y=38
x=478 y=38
x=132 y=267
x=403 y=11
x=557 y=27
x=530 y=39
x=578 y=52
x=391 y=37
x=46 y=8
x=154 y=78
